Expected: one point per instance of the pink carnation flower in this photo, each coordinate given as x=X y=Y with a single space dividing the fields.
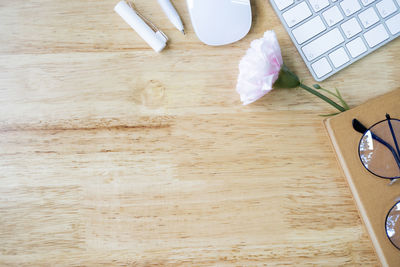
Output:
x=262 y=69
x=259 y=68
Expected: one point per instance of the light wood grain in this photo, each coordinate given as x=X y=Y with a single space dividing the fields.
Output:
x=111 y=154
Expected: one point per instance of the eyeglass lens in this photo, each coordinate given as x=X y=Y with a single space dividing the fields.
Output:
x=393 y=225
x=375 y=156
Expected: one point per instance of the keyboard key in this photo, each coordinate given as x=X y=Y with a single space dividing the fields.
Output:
x=282 y=4
x=308 y=30
x=339 y=57
x=368 y=17
x=350 y=6
x=367 y=2
x=297 y=14
x=351 y=28
x=356 y=47
x=317 y=5
x=322 y=44
x=393 y=24
x=386 y=8
x=376 y=35
x=321 y=67
x=332 y=16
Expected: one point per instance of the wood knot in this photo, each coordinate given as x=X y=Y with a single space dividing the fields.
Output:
x=151 y=95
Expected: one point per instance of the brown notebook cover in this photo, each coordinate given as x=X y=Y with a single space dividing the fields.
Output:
x=373 y=196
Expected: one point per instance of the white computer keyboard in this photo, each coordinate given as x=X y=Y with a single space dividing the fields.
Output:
x=332 y=34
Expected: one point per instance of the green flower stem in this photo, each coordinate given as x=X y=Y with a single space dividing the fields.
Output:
x=338 y=95
x=327 y=91
x=326 y=99
x=288 y=79
x=344 y=103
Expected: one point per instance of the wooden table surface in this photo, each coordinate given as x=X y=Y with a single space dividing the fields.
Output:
x=111 y=154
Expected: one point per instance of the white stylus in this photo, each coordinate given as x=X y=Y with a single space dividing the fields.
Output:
x=171 y=13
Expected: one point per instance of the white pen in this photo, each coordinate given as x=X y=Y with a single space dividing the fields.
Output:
x=171 y=13
x=150 y=33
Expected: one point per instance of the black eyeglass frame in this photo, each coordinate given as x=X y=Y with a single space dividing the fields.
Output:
x=396 y=154
x=359 y=153
x=387 y=216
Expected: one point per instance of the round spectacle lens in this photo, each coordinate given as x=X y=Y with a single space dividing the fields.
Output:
x=377 y=157
x=393 y=225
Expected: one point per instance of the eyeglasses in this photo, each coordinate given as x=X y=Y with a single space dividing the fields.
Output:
x=380 y=154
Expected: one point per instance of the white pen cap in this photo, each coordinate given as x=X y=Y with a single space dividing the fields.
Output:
x=156 y=40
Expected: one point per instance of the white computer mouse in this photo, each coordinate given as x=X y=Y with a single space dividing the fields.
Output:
x=220 y=22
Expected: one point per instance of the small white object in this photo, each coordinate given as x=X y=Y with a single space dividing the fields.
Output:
x=317 y=5
x=356 y=47
x=350 y=6
x=351 y=27
x=368 y=17
x=393 y=24
x=386 y=8
x=323 y=44
x=297 y=14
x=332 y=16
x=220 y=22
x=376 y=35
x=156 y=39
x=171 y=13
x=308 y=30
x=339 y=57
x=321 y=67
x=282 y=4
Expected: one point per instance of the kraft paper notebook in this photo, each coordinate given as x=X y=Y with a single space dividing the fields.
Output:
x=372 y=195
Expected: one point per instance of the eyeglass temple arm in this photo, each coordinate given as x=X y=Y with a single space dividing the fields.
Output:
x=393 y=134
x=359 y=127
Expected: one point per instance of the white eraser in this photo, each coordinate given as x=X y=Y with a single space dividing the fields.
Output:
x=156 y=40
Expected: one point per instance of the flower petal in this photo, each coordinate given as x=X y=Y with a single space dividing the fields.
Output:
x=259 y=68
